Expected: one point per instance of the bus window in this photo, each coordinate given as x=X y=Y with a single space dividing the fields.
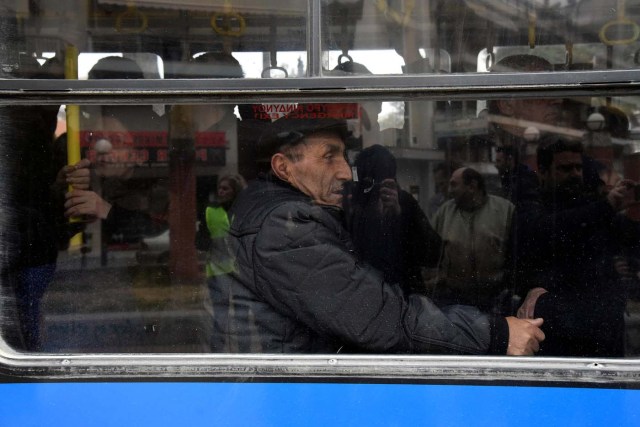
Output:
x=139 y=214
x=154 y=267
x=413 y=38
x=253 y=63
x=373 y=179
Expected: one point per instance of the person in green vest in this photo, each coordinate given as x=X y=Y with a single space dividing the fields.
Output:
x=220 y=261
x=217 y=222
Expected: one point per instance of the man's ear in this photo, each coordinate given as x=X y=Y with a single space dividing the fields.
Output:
x=280 y=165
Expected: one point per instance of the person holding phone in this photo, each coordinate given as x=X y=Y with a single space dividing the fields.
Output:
x=388 y=227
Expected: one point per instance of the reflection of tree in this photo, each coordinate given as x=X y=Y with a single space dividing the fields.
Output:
x=392 y=115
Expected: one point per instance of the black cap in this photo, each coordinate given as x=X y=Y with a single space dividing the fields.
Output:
x=291 y=130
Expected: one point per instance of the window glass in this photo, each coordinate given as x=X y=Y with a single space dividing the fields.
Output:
x=257 y=64
x=160 y=246
x=394 y=221
x=356 y=37
x=150 y=65
x=175 y=31
x=435 y=37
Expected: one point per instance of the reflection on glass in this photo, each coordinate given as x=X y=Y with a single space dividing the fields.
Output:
x=175 y=257
x=469 y=36
x=513 y=206
x=387 y=37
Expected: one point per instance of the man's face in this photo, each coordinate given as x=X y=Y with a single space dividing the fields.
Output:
x=458 y=190
x=225 y=191
x=565 y=173
x=115 y=157
x=323 y=170
x=504 y=163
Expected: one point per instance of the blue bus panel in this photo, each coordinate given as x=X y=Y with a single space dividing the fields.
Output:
x=300 y=404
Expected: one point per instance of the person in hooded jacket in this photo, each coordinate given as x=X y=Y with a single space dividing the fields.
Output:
x=35 y=190
x=389 y=229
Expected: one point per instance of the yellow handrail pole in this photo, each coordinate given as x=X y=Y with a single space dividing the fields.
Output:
x=73 y=126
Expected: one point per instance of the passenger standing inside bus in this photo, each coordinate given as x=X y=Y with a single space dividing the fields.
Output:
x=307 y=290
x=475 y=228
x=36 y=190
x=220 y=261
x=130 y=205
x=571 y=237
x=217 y=222
x=389 y=229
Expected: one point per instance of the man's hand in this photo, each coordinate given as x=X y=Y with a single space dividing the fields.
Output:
x=525 y=336
x=78 y=175
x=622 y=195
x=389 y=197
x=87 y=203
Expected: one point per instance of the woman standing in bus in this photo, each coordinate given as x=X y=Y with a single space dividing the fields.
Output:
x=220 y=261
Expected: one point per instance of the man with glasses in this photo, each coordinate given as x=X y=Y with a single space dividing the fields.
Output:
x=568 y=242
x=304 y=287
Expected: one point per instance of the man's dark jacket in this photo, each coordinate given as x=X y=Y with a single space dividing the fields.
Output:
x=298 y=288
x=519 y=185
x=568 y=246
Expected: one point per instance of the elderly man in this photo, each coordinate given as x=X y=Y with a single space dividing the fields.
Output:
x=301 y=289
x=475 y=228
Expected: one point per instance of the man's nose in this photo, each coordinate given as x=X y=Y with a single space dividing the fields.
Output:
x=344 y=171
